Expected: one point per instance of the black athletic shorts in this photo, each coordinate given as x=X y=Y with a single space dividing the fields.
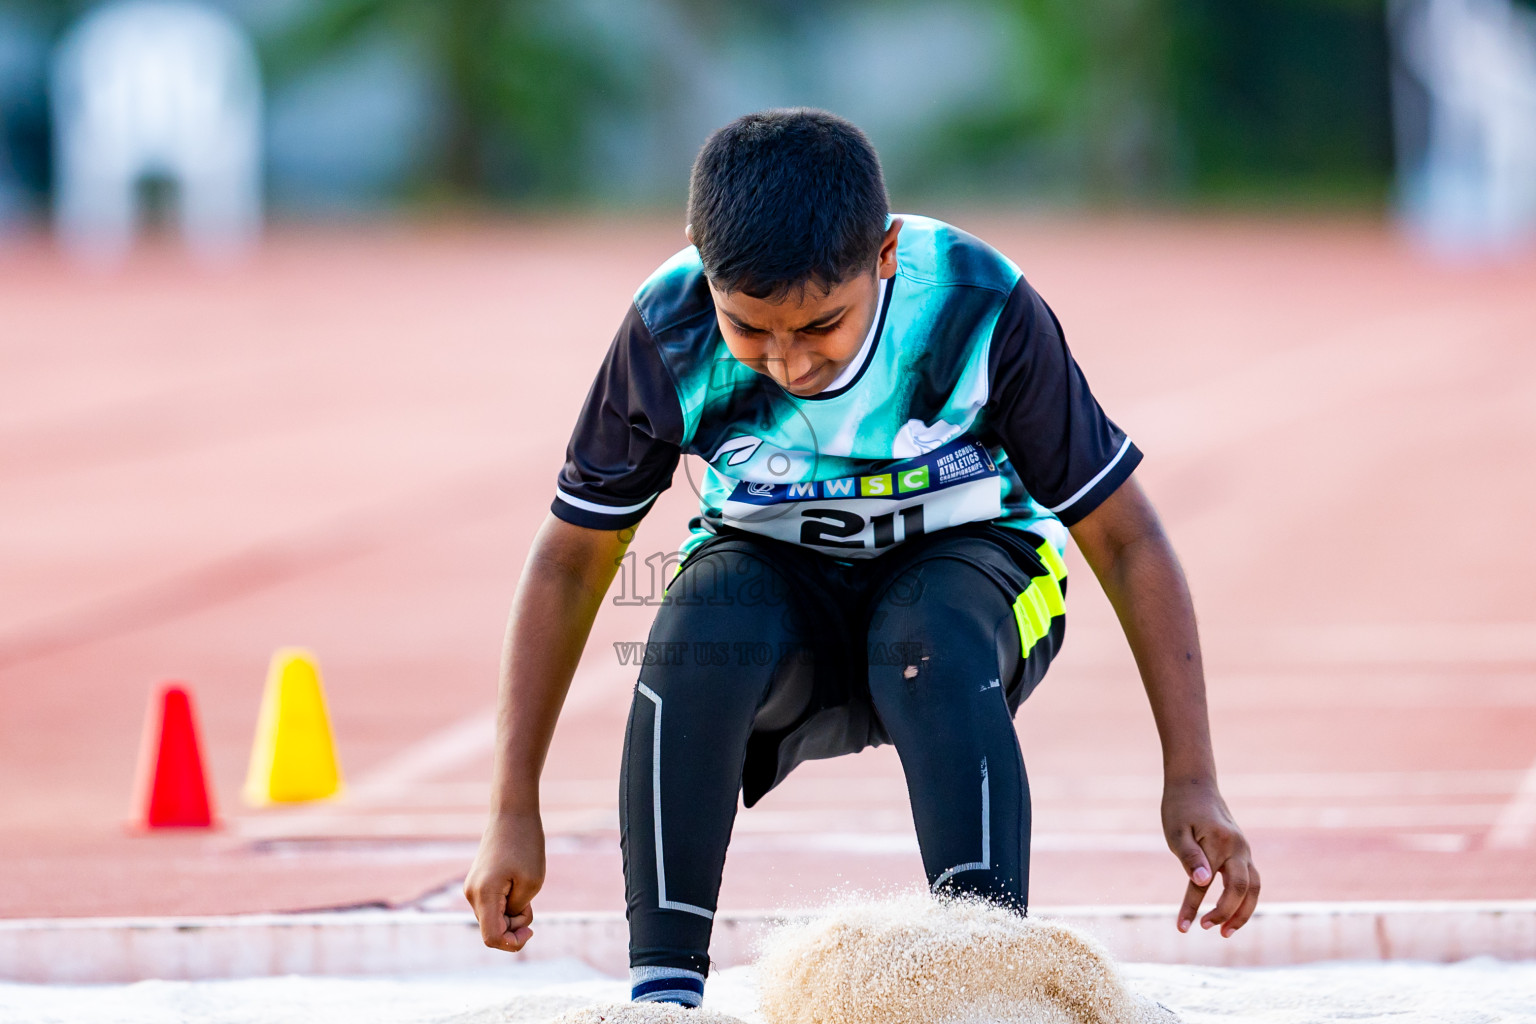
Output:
x=832 y=602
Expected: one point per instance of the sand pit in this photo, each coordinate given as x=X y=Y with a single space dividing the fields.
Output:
x=924 y=961
x=1472 y=992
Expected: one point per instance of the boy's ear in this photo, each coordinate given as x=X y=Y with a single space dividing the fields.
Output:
x=886 y=265
x=688 y=233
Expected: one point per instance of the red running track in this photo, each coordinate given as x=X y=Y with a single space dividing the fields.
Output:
x=347 y=443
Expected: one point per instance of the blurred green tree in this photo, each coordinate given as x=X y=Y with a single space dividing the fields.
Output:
x=517 y=84
x=1119 y=99
x=1283 y=97
x=1127 y=99
x=1091 y=97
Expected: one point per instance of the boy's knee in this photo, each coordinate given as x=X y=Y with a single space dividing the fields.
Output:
x=932 y=620
x=901 y=644
x=924 y=603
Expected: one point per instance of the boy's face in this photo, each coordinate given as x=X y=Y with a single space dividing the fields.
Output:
x=804 y=339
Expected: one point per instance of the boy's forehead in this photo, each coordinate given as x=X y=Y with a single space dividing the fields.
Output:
x=795 y=306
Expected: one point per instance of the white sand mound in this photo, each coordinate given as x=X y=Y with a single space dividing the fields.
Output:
x=643 y=1013
x=919 y=960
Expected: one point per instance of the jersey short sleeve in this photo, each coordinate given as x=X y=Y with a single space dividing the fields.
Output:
x=1069 y=455
x=628 y=438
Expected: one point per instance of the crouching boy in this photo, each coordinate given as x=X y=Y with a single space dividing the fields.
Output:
x=898 y=443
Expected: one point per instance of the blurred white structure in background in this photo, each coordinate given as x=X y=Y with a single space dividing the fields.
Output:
x=147 y=90
x=1464 y=98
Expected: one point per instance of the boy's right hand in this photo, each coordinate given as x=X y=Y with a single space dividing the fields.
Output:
x=507 y=873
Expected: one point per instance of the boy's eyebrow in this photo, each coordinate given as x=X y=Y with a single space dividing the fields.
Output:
x=820 y=321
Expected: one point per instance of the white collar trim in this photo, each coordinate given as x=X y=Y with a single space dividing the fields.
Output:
x=852 y=369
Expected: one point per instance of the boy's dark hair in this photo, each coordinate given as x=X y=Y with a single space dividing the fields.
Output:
x=784 y=198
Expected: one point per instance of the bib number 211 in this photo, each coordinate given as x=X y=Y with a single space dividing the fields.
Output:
x=830 y=527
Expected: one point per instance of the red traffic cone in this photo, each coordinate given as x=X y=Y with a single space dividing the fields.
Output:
x=173 y=788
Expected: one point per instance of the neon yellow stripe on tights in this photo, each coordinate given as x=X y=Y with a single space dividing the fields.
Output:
x=1041 y=601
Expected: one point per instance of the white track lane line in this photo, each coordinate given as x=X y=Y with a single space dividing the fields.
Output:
x=447 y=750
x=471 y=739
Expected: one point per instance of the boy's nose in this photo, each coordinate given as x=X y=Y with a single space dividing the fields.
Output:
x=796 y=367
x=786 y=363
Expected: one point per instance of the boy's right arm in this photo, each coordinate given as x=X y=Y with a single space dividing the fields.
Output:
x=564 y=580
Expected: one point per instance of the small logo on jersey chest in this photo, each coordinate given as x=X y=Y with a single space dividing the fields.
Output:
x=738 y=450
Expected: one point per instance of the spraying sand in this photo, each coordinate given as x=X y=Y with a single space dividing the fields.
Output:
x=924 y=961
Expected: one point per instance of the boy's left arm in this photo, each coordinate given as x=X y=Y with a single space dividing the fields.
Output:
x=1124 y=544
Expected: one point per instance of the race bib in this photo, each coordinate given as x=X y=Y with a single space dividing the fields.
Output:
x=861 y=516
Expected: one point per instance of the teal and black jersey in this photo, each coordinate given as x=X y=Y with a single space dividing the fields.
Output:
x=963 y=405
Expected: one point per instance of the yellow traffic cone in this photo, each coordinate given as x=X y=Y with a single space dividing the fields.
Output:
x=294 y=757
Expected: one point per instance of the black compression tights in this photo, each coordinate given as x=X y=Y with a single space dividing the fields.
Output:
x=941 y=702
